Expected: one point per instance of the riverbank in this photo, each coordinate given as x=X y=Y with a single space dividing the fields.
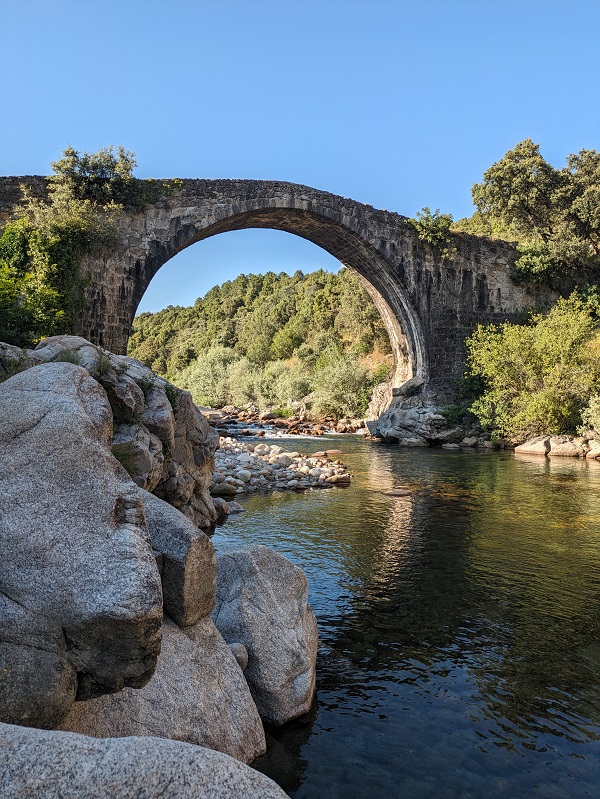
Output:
x=251 y=421
x=246 y=468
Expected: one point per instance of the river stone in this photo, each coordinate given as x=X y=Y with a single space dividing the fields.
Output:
x=566 y=447
x=74 y=547
x=40 y=764
x=540 y=445
x=198 y=694
x=189 y=572
x=223 y=490
x=240 y=653
x=262 y=602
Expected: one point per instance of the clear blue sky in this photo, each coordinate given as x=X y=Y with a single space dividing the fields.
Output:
x=396 y=103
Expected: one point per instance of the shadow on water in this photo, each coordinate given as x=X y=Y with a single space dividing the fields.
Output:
x=459 y=625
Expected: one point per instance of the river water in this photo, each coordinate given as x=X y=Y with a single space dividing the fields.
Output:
x=459 y=625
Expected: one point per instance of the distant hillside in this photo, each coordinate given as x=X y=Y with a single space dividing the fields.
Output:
x=271 y=339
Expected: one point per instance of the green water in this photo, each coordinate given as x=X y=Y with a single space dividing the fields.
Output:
x=459 y=625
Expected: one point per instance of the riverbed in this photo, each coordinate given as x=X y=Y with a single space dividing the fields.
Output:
x=459 y=625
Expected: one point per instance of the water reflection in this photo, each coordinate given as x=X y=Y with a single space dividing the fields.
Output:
x=459 y=625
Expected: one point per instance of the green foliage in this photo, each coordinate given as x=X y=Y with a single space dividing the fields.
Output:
x=553 y=214
x=264 y=318
x=68 y=356
x=268 y=340
x=590 y=416
x=342 y=385
x=103 y=363
x=435 y=229
x=538 y=376
x=102 y=178
x=41 y=288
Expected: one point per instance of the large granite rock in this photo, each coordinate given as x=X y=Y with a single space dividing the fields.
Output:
x=262 y=602
x=79 y=584
x=161 y=438
x=411 y=422
x=198 y=694
x=189 y=563
x=539 y=445
x=37 y=764
x=568 y=447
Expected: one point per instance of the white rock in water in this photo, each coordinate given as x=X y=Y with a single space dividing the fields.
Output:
x=262 y=602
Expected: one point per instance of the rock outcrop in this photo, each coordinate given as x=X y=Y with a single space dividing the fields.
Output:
x=561 y=447
x=189 y=563
x=38 y=764
x=262 y=602
x=198 y=694
x=410 y=422
x=81 y=594
x=90 y=559
x=160 y=437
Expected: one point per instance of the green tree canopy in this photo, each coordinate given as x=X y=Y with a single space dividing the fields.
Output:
x=552 y=214
x=538 y=377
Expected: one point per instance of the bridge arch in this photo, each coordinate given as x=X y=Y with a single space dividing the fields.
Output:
x=316 y=225
x=429 y=302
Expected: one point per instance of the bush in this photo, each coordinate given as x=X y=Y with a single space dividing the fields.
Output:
x=435 y=229
x=590 y=416
x=342 y=385
x=207 y=378
x=537 y=377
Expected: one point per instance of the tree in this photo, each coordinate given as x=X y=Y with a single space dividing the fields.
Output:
x=40 y=253
x=538 y=377
x=552 y=214
x=103 y=177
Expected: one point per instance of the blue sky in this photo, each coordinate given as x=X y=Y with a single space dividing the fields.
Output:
x=396 y=103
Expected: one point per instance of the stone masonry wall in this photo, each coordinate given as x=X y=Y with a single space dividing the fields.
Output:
x=429 y=305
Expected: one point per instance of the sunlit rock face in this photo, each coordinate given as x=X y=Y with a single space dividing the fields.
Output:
x=159 y=435
x=80 y=593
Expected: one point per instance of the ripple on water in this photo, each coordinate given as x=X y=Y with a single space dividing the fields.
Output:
x=459 y=625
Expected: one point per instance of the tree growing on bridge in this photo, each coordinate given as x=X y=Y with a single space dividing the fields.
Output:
x=552 y=214
x=40 y=252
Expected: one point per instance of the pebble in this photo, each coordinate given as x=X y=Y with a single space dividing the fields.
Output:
x=246 y=468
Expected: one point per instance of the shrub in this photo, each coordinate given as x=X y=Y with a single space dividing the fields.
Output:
x=539 y=376
x=590 y=416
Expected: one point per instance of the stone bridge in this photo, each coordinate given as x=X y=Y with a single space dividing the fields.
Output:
x=428 y=304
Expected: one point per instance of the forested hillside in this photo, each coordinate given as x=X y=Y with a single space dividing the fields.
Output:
x=272 y=339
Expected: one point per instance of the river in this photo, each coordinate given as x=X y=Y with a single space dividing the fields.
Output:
x=459 y=625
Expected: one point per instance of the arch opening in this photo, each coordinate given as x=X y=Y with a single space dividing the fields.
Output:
x=402 y=324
